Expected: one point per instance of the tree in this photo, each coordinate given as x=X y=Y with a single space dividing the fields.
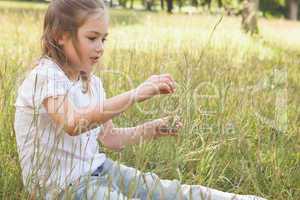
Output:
x=169 y=6
x=131 y=4
x=162 y=4
x=208 y=3
x=180 y=4
x=277 y=8
x=195 y=3
x=249 y=18
x=220 y=4
x=149 y=4
x=292 y=9
x=123 y=3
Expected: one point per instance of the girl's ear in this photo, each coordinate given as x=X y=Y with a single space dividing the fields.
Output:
x=60 y=42
x=62 y=39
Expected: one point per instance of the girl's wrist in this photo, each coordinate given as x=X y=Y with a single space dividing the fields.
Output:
x=143 y=92
x=134 y=96
x=151 y=129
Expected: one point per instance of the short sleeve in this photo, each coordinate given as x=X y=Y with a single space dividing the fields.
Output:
x=46 y=80
x=99 y=87
x=101 y=97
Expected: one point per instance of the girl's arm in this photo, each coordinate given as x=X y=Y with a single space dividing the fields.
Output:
x=78 y=120
x=118 y=138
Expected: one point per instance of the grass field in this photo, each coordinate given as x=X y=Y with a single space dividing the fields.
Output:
x=237 y=96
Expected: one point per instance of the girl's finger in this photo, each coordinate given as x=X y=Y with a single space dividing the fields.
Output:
x=165 y=88
x=179 y=125
x=168 y=131
x=173 y=85
x=169 y=83
x=168 y=76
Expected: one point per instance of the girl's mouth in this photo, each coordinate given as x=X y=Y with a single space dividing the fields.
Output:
x=95 y=59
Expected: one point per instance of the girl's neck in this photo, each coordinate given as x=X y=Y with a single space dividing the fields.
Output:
x=71 y=73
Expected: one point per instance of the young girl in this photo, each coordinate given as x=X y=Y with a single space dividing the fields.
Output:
x=62 y=111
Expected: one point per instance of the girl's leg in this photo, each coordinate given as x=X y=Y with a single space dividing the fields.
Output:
x=92 y=188
x=135 y=184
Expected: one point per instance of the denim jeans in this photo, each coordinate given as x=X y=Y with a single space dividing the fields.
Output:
x=116 y=181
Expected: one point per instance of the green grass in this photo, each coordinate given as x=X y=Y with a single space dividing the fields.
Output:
x=227 y=88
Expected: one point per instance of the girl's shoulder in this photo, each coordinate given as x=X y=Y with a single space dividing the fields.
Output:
x=44 y=80
x=47 y=68
x=44 y=70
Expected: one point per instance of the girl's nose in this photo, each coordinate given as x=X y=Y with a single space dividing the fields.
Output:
x=99 y=46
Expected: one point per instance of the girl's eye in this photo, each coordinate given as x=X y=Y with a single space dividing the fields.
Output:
x=92 y=38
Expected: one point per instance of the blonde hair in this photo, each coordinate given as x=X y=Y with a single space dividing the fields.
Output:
x=66 y=16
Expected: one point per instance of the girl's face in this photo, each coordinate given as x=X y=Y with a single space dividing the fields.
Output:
x=90 y=36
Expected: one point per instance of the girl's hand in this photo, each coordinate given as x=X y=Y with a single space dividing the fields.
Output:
x=156 y=84
x=167 y=126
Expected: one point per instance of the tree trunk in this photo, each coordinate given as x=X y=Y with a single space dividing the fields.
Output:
x=149 y=5
x=131 y=4
x=206 y=2
x=123 y=3
x=293 y=9
x=220 y=4
x=195 y=3
x=169 y=6
x=179 y=3
x=162 y=6
x=249 y=16
x=209 y=4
